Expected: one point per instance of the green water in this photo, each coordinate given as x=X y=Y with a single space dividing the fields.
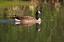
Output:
x=52 y=26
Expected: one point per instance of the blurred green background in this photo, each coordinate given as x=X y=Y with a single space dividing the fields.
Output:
x=52 y=24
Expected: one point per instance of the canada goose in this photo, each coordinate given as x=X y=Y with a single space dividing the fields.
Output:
x=27 y=20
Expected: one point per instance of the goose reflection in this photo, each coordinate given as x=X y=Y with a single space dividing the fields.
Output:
x=37 y=27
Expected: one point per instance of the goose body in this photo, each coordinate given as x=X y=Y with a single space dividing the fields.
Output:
x=27 y=20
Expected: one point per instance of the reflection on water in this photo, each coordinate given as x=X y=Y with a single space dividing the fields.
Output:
x=52 y=25
x=37 y=27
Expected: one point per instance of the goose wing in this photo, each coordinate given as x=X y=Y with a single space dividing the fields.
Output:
x=28 y=17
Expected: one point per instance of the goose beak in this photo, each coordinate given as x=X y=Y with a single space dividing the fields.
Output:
x=41 y=12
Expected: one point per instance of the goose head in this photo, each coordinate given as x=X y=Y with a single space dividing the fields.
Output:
x=39 y=12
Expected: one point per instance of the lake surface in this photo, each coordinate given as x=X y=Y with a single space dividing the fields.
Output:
x=52 y=25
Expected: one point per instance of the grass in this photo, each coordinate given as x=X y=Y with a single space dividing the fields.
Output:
x=11 y=3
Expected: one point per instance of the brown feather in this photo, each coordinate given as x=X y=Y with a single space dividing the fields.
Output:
x=27 y=20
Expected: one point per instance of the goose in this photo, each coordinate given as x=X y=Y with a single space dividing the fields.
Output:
x=27 y=20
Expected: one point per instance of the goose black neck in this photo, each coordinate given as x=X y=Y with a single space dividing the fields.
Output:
x=37 y=16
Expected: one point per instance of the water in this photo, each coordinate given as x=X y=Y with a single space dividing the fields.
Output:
x=6 y=21
x=52 y=26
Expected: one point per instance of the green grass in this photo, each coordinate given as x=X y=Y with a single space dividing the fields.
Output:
x=11 y=3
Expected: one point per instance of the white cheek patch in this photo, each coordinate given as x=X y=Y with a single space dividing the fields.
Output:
x=17 y=23
x=39 y=12
x=16 y=19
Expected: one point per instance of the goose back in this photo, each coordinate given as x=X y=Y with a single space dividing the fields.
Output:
x=27 y=20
